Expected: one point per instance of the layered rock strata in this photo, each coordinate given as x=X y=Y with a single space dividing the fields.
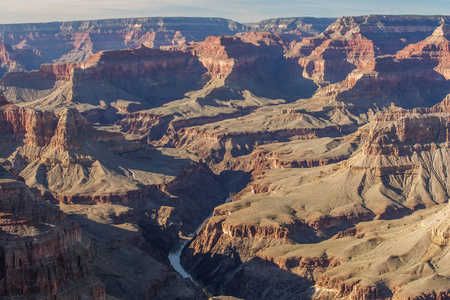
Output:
x=400 y=168
x=140 y=199
x=74 y=41
x=293 y=28
x=39 y=247
x=14 y=60
x=120 y=80
x=415 y=76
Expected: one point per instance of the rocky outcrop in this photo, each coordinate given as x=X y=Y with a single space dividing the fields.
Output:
x=36 y=127
x=355 y=59
x=334 y=59
x=406 y=134
x=42 y=129
x=14 y=60
x=69 y=127
x=65 y=160
x=260 y=38
x=403 y=83
x=400 y=168
x=353 y=42
x=293 y=28
x=388 y=33
x=69 y=41
x=254 y=62
x=145 y=124
x=224 y=54
x=434 y=51
x=121 y=80
x=38 y=245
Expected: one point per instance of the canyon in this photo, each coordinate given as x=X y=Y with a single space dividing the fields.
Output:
x=78 y=40
x=119 y=138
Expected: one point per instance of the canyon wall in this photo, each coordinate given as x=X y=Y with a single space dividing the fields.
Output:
x=400 y=168
x=143 y=211
x=14 y=60
x=77 y=40
x=336 y=146
x=39 y=250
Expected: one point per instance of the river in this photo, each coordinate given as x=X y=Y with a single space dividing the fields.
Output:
x=175 y=253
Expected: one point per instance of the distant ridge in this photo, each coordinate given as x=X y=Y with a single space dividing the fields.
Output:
x=77 y=40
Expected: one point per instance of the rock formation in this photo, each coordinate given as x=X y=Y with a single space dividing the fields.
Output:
x=335 y=147
x=40 y=255
x=434 y=50
x=388 y=33
x=13 y=60
x=122 y=80
x=400 y=168
x=77 y=40
x=147 y=198
x=356 y=67
x=293 y=28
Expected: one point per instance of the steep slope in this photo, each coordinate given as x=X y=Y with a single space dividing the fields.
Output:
x=217 y=77
x=434 y=49
x=246 y=72
x=355 y=73
x=77 y=40
x=400 y=168
x=13 y=60
x=293 y=28
x=127 y=198
x=40 y=249
x=108 y=82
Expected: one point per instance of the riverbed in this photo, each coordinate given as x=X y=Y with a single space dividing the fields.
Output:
x=175 y=253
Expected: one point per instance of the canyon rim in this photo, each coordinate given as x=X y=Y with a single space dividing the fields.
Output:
x=205 y=158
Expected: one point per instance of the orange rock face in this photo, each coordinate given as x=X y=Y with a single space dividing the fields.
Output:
x=43 y=128
x=109 y=65
x=333 y=60
x=433 y=50
x=220 y=55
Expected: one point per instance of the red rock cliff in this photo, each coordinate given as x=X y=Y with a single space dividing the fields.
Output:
x=36 y=245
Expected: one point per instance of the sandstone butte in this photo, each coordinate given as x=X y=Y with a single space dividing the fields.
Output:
x=331 y=136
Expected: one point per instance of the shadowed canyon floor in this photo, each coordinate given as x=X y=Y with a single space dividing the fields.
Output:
x=331 y=135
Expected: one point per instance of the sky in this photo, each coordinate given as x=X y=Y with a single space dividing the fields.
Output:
x=30 y=11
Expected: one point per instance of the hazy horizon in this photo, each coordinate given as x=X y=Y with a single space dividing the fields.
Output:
x=31 y=11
